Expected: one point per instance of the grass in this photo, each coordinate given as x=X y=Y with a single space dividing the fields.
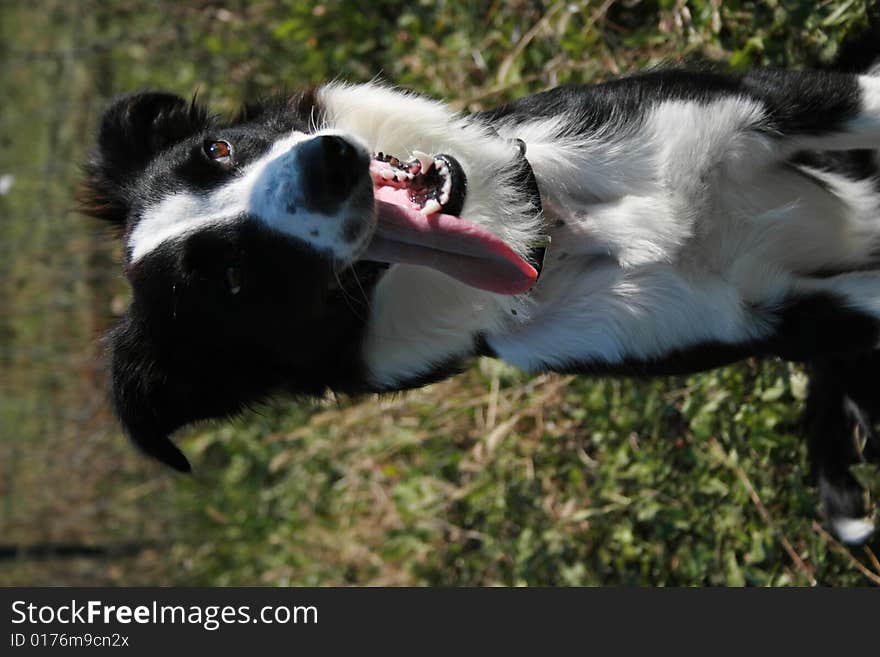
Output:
x=490 y=478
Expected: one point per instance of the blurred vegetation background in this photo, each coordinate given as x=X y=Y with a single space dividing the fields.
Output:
x=489 y=478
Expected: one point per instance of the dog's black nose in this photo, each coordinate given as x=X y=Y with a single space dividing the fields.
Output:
x=331 y=168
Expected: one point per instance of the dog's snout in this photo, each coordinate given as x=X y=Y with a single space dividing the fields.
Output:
x=331 y=168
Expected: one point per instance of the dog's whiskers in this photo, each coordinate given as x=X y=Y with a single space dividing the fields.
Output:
x=350 y=301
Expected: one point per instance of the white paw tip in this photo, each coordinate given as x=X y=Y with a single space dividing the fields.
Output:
x=852 y=530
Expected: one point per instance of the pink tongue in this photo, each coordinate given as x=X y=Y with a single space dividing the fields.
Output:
x=452 y=245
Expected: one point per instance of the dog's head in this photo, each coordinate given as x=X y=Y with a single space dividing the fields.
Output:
x=251 y=247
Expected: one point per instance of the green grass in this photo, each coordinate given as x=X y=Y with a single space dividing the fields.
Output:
x=489 y=478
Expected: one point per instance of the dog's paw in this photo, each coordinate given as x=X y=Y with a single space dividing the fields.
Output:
x=843 y=501
x=852 y=531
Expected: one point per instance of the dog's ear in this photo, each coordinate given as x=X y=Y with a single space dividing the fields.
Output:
x=133 y=130
x=144 y=394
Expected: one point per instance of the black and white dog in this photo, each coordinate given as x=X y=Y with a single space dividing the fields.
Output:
x=357 y=238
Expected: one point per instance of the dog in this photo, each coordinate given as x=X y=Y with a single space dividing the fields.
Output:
x=358 y=238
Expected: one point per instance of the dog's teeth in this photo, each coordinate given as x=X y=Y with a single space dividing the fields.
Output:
x=425 y=160
x=431 y=207
x=387 y=175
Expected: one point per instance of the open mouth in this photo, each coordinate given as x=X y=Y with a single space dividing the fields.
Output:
x=418 y=204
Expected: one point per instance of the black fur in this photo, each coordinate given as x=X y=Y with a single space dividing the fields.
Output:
x=797 y=102
x=176 y=358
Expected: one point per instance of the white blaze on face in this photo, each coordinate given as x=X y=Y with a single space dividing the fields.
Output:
x=267 y=190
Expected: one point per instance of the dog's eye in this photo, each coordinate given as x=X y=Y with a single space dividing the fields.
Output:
x=219 y=151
